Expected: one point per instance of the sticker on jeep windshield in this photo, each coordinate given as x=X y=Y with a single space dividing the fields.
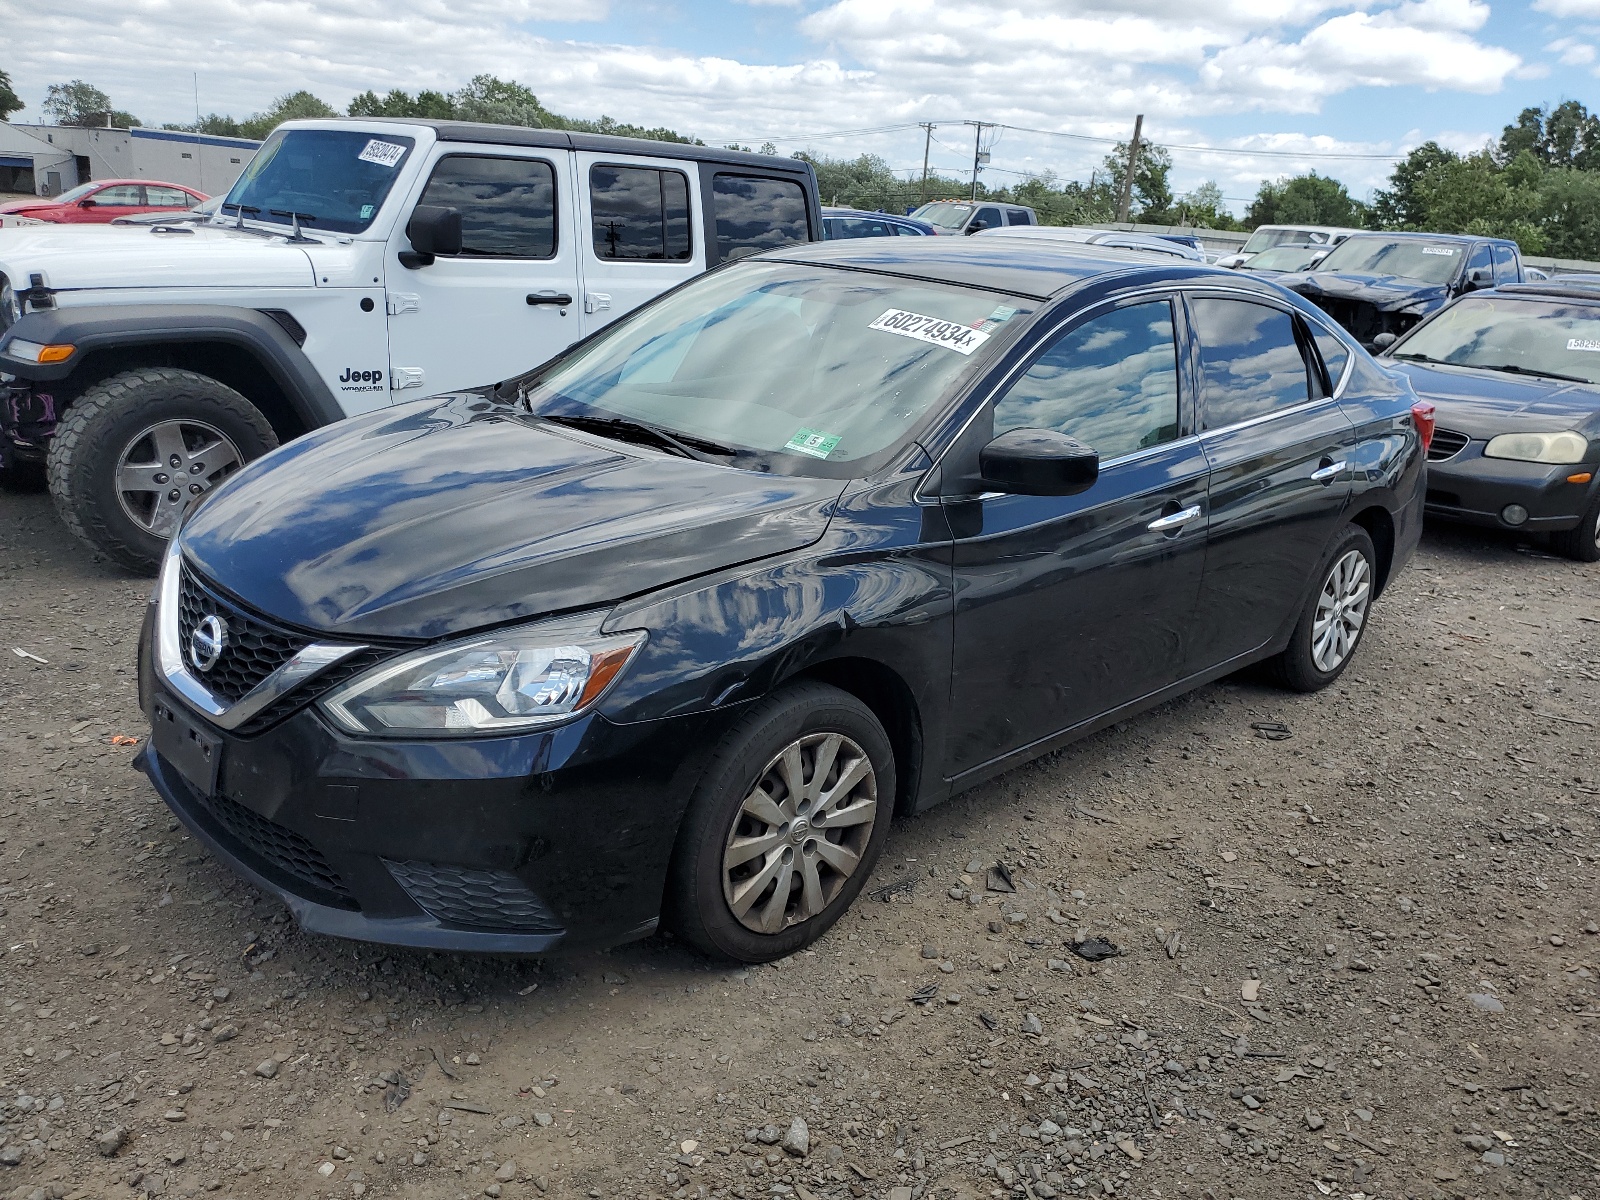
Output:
x=385 y=154
x=1447 y=251
x=963 y=339
x=1589 y=344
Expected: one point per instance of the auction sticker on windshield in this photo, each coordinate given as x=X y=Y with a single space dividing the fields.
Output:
x=1589 y=344
x=1447 y=251
x=963 y=339
x=385 y=154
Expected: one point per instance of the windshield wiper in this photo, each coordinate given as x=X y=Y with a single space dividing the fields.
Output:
x=1423 y=358
x=698 y=449
x=1513 y=369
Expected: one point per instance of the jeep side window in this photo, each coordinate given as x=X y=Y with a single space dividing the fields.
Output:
x=639 y=213
x=508 y=205
x=755 y=214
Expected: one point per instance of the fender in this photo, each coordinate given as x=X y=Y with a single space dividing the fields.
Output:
x=95 y=328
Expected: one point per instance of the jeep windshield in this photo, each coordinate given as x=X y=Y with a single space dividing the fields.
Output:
x=1410 y=258
x=335 y=179
x=789 y=368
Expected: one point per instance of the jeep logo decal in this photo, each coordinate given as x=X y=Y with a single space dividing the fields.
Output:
x=351 y=375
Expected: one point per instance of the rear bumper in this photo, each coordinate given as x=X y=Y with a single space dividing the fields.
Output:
x=1470 y=488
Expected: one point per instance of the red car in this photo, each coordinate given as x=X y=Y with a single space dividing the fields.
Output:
x=105 y=200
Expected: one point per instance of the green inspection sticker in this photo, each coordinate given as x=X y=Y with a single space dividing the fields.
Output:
x=813 y=442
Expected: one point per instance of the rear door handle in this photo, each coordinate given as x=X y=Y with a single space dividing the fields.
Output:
x=562 y=299
x=1329 y=473
x=1174 y=521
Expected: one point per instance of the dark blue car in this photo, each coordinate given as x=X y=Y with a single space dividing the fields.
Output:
x=1514 y=375
x=1378 y=285
x=842 y=223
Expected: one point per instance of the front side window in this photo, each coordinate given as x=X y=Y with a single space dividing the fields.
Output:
x=755 y=214
x=1250 y=360
x=1112 y=383
x=796 y=369
x=1505 y=265
x=987 y=218
x=859 y=227
x=508 y=205
x=1526 y=336
x=335 y=179
x=1482 y=260
x=639 y=213
x=123 y=195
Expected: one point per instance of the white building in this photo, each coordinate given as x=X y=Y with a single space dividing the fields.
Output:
x=47 y=160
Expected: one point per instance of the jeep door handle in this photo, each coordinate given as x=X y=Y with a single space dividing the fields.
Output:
x=564 y=300
x=1174 y=521
x=1329 y=473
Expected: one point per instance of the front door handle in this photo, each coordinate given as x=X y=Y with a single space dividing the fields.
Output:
x=1174 y=521
x=1329 y=473
x=562 y=299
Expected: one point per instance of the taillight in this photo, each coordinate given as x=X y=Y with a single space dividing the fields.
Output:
x=1422 y=415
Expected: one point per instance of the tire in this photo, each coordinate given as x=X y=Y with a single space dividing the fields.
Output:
x=703 y=887
x=1345 y=587
x=206 y=428
x=1583 y=543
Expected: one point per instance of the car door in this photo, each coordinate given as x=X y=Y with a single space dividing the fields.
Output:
x=117 y=200
x=638 y=238
x=987 y=217
x=1280 y=450
x=508 y=301
x=1068 y=607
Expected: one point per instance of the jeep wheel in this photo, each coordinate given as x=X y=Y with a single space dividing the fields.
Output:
x=132 y=453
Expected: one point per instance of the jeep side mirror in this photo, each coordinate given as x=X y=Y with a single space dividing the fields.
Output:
x=1038 y=462
x=432 y=231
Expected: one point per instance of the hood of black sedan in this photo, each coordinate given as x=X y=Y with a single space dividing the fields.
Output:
x=456 y=514
x=1384 y=292
x=1483 y=403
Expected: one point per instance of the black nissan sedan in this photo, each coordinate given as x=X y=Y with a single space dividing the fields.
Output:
x=1514 y=375
x=674 y=625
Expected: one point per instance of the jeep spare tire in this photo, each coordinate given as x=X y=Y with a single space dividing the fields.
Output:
x=135 y=450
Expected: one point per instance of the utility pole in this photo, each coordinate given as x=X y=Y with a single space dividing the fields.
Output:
x=977 y=151
x=927 y=145
x=1133 y=165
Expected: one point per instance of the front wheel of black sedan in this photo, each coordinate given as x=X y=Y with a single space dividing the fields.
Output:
x=1334 y=618
x=785 y=826
x=1582 y=543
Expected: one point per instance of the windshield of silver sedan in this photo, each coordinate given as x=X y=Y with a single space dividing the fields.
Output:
x=1521 y=336
x=784 y=366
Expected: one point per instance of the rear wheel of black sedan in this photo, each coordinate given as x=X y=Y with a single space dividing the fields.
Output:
x=1582 y=543
x=785 y=826
x=1334 y=618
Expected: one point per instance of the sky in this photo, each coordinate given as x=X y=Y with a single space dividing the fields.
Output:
x=1290 y=83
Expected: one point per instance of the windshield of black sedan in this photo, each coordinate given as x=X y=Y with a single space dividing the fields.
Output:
x=1410 y=258
x=1544 y=336
x=790 y=364
x=336 y=179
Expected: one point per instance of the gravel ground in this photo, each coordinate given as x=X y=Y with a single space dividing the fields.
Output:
x=1359 y=960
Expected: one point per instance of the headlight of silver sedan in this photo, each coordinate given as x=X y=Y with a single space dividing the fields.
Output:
x=1555 y=448
x=503 y=682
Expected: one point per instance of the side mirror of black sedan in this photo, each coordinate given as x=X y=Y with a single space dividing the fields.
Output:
x=1384 y=340
x=432 y=230
x=1038 y=462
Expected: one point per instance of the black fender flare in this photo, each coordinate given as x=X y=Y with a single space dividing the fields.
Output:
x=92 y=328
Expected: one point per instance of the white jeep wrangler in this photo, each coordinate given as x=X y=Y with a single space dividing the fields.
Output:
x=356 y=263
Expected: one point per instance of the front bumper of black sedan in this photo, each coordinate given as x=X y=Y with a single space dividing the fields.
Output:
x=1471 y=488
x=524 y=844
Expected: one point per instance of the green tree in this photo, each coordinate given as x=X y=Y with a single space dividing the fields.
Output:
x=10 y=102
x=1403 y=205
x=1152 y=189
x=1569 y=213
x=1565 y=136
x=1204 y=207
x=1309 y=199
x=428 y=105
x=80 y=103
x=294 y=106
x=500 y=102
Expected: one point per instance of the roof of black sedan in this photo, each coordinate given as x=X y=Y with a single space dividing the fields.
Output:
x=1554 y=289
x=1021 y=267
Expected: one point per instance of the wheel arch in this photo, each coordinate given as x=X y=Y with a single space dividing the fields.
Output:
x=892 y=701
x=1379 y=524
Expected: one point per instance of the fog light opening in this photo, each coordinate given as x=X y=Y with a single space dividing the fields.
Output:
x=1514 y=514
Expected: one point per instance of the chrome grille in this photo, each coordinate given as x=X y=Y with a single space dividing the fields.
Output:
x=254 y=648
x=1447 y=443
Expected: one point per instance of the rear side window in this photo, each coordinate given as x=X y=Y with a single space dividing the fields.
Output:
x=1250 y=360
x=1111 y=382
x=639 y=213
x=167 y=197
x=755 y=214
x=1019 y=216
x=508 y=205
x=1335 y=354
x=1505 y=264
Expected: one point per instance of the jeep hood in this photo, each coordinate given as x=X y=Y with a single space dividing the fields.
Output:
x=457 y=513
x=1386 y=293
x=1482 y=403
x=77 y=257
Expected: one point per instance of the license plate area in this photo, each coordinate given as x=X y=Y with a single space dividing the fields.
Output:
x=192 y=752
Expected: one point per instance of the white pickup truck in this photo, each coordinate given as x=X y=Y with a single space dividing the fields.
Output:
x=355 y=263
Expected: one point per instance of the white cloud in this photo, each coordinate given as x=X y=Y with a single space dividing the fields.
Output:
x=1581 y=9
x=1572 y=52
